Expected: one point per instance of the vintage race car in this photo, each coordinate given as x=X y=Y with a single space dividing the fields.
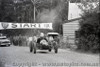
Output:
x=45 y=44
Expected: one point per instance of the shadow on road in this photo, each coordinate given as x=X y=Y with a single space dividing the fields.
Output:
x=39 y=52
x=42 y=52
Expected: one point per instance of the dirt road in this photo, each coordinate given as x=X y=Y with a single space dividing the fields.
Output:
x=15 y=56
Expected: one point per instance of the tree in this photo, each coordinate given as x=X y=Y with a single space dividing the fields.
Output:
x=6 y=10
x=22 y=11
x=89 y=28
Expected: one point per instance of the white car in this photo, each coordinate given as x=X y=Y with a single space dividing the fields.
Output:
x=4 y=41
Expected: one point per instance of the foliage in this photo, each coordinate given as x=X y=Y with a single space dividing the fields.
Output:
x=22 y=11
x=89 y=31
x=6 y=10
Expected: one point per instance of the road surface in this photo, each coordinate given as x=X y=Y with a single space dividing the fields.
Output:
x=15 y=56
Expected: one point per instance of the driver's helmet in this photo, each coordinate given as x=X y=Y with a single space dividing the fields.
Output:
x=41 y=34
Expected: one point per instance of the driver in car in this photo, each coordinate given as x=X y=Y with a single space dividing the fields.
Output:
x=42 y=39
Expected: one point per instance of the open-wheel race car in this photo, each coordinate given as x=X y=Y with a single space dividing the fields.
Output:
x=45 y=43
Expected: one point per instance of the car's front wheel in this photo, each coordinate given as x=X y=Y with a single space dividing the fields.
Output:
x=34 y=48
x=31 y=46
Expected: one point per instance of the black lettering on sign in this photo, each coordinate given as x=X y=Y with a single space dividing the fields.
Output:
x=39 y=25
x=26 y=25
x=21 y=25
x=14 y=25
x=46 y=25
x=33 y=25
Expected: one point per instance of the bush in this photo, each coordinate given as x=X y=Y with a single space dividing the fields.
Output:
x=89 y=33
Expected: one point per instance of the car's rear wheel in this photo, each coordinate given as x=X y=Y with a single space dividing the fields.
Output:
x=56 y=50
x=55 y=47
x=49 y=50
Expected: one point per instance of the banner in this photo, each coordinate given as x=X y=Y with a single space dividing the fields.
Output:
x=5 y=25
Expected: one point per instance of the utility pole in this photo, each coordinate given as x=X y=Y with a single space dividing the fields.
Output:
x=34 y=2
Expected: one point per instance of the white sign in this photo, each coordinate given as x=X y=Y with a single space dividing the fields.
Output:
x=74 y=11
x=4 y=25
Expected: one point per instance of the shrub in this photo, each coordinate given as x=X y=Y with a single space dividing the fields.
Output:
x=89 y=33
